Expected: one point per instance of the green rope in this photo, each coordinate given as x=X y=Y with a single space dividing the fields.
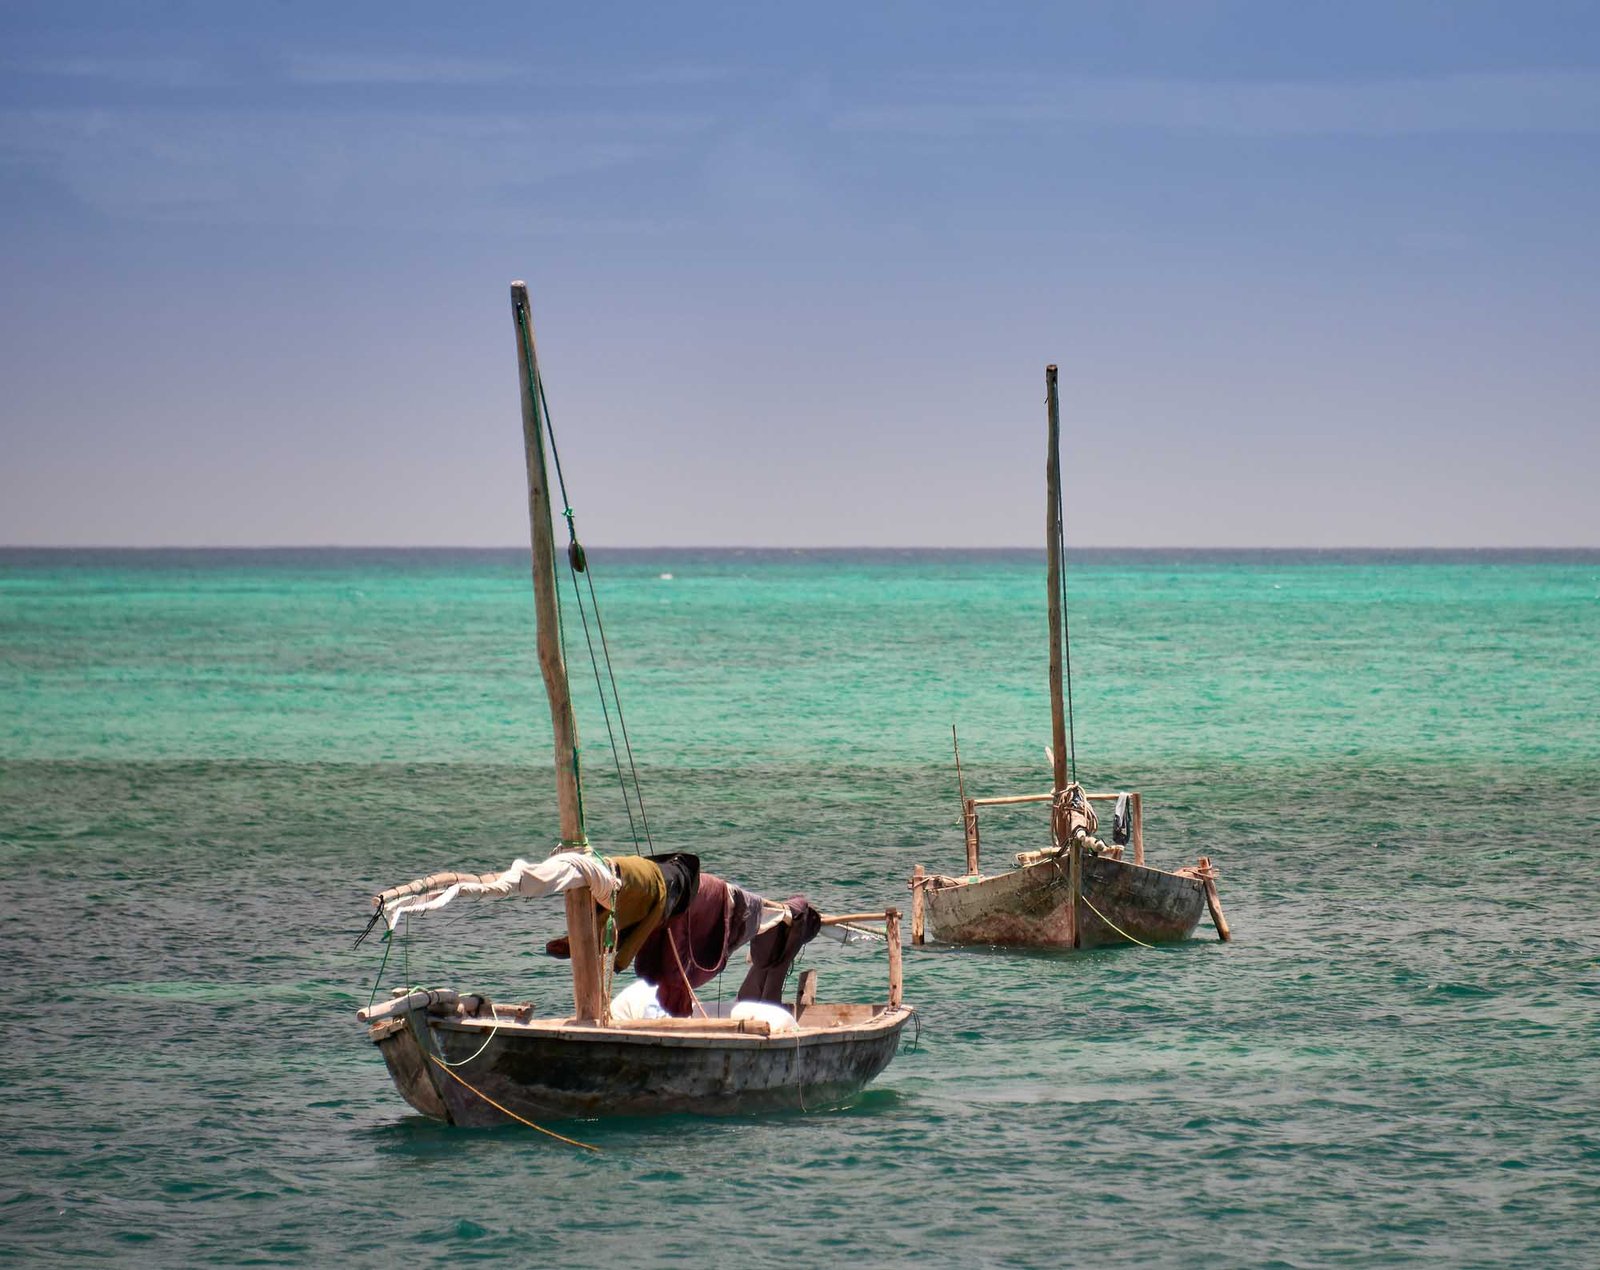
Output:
x=577 y=562
x=388 y=943
x=577 y=780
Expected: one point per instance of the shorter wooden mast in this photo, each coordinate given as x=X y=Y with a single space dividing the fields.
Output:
x=1052 y=537
x=583 y=934
x=1059 y=823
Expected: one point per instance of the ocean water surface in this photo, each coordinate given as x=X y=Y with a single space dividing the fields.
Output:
x=209 y=760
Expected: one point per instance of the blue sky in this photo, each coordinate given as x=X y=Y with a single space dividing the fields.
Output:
x=1314 y=275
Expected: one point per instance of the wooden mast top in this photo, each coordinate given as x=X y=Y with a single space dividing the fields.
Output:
x=552 y=663
x=1058 y=718
x=588 y=991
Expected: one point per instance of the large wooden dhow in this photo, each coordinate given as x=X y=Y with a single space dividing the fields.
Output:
x=461 y=1058
x=1078 y=891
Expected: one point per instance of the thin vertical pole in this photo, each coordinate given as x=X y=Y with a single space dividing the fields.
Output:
x=891 y=930
x=1213 y=901
x=918 y=884
x=969 y=817
x=582 y=928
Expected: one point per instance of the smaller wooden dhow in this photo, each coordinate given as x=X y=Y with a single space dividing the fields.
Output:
x=1079 y=891
x=462 y=1058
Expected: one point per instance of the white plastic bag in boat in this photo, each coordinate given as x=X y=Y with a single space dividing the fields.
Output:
x=638 y=1001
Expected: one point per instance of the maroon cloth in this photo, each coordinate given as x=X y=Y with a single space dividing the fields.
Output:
x=773 y=953
x=691 y=949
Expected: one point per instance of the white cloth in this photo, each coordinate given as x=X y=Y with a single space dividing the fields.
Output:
x=775 y=1016
x=563 y=871
x=638 y=1001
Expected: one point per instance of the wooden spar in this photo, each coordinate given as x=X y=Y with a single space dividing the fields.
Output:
x=1058 y=718
x=582 y=929
x=1213 y=901
x=1013 y=799
x=918 y=885
x=846 y=919
x=1137 y=807
x=891 y=930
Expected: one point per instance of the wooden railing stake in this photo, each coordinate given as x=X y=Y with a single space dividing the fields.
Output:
x=918 y=881
x=1212 y=902
x=806 y=993
x=891 y=928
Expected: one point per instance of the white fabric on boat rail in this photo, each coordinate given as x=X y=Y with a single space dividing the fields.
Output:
x=563 y=871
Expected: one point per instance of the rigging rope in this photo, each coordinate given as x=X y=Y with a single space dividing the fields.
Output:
x=577 y=563
x=1066 y=627
x=506 y=1111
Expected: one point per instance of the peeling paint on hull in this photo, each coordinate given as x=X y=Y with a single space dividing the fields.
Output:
x=1028 y=907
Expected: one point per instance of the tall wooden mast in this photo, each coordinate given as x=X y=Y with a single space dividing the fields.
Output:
x=587 y=992
x=1052 y=533
x=1060 y=823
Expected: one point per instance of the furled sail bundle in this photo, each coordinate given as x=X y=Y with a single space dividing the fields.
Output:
x=564 y=871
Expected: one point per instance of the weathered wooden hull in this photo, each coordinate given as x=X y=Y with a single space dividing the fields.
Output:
x=551 y=1071
x=1029 y=907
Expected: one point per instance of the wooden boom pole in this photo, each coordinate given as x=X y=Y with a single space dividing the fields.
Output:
x=1058 y=714
x=582 y=930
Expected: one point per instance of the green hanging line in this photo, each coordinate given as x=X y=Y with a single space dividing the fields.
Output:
x=577 y=779
x=577 y=562
x=377 y=982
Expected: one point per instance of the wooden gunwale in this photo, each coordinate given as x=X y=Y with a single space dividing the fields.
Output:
x=1009 y=800
x=971 y=879
x=886 y=1020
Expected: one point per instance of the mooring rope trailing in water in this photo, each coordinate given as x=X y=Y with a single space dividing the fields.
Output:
x=445 y=1067
x=1112 y=924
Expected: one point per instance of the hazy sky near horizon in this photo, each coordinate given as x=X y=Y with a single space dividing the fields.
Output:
x=1315 y=275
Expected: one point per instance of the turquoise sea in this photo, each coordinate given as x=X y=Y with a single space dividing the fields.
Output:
x=208 y=761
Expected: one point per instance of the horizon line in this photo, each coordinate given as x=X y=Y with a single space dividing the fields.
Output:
x=334 y=546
